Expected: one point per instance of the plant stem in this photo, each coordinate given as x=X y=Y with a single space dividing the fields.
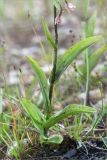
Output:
x=55 y=58
x=87 y=100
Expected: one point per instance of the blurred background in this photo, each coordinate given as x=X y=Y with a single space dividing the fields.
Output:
x=21 y=34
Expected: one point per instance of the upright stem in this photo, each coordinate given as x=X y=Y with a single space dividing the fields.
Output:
x=87 y=98
x=55 y=58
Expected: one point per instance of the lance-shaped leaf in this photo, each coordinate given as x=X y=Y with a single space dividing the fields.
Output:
x=90 y=26
x=68 y=111
x=93 y=60
x=48 y=34
x=34 y=113
x=65 y=60
x=42 y=81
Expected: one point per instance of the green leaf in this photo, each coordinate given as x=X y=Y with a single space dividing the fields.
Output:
x=48 y=34
x=100 y=116
x=56 y=3
x=90 y=26
x=68 y=111
x=93 y=60
x=5 y=120
x=65 y=60
x=104 y=139
x=34 y=113
x=56 y=139
x=42 y=81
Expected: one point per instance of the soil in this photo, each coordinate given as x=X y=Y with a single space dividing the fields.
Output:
x=93 y=150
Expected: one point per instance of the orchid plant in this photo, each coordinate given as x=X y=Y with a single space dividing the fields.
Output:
x=45 y=119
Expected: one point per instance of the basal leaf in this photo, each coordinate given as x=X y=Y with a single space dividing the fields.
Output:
x=68 y=111
x=42 y=81
x=34 y=113
x=56 y=139
x=65 y=60
x=48 y=34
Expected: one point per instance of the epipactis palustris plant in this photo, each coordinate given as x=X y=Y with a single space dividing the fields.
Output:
x=44 y=119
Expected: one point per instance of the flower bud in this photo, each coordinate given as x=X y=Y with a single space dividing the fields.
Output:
x=58 y=19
